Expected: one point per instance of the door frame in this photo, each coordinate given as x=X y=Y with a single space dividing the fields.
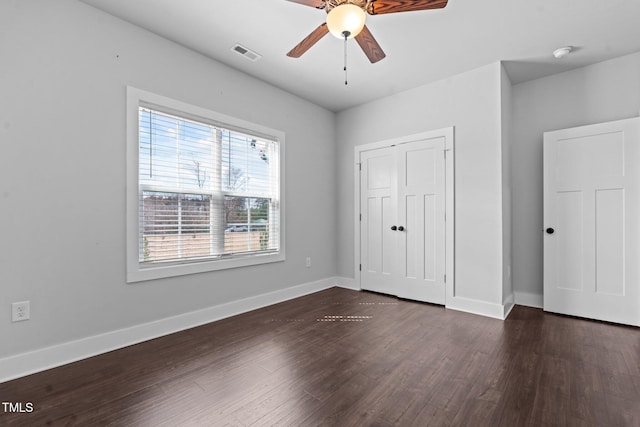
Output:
x=448 y=134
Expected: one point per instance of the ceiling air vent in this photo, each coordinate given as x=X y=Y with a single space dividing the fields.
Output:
x=247 y=53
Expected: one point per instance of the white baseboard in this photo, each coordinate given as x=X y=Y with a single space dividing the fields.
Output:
x=483 y=308
x=529 y=300
x=60 y=354
x=508 y=304
x=347 y=283
x=507 y=307
x=497 y=311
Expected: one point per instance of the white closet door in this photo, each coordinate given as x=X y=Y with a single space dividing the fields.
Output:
x=402 y=229
x=421 y=213
x=591 y=221
x=378 y=204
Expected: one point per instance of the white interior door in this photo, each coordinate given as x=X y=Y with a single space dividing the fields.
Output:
x=591 y=218
x=378 y=205
x=402 y=227
x=421 y=212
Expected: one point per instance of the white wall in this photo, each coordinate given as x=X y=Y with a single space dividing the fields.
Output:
x=471 y=103
x=63 y=71
x=598 y=93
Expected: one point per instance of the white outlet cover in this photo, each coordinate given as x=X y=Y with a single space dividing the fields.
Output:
x=20 y=311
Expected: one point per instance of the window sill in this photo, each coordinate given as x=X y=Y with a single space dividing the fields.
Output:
x=138 y=273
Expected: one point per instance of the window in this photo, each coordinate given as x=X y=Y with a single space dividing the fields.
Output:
x=206 y=188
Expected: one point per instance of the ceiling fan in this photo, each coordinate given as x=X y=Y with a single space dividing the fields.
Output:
x=346 y=19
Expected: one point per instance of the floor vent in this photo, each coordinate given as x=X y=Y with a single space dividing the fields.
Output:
x=247 y=53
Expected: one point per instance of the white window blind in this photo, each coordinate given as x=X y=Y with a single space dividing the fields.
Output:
x=206 y=191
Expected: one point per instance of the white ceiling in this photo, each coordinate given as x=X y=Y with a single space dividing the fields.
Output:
x=421 y=47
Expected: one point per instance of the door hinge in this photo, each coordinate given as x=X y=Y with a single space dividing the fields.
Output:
x=445 y=278
x=360 y=217
x=360 y=167
x=360 y=267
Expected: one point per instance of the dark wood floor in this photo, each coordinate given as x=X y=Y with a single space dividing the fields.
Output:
x=347 y=358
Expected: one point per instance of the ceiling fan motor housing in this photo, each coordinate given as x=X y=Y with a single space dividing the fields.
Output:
x=332 y=4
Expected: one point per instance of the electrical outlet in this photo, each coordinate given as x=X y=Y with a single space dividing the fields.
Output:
x=308 y=261
x=20 y=311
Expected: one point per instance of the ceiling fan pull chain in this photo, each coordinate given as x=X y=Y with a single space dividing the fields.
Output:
x=346 y=34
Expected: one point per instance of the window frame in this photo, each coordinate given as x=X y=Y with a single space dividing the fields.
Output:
x=137 y=271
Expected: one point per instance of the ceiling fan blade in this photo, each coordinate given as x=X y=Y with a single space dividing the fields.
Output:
x=309 y=41
x=318 y=4
x=370 y=46
x=378 y=7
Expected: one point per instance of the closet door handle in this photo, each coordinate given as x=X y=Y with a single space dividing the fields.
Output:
x=394 y=228
x=401 y=228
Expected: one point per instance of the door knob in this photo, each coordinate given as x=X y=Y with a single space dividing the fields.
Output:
x=394 y=228
x=550 y=230
x=401 y=228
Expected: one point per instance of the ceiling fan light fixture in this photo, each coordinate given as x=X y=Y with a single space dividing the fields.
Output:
x=346 y=20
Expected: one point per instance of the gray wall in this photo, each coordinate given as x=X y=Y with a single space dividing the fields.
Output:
x=507 y=141
x=471 y=103
x=598 y=93
x=63 y=74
